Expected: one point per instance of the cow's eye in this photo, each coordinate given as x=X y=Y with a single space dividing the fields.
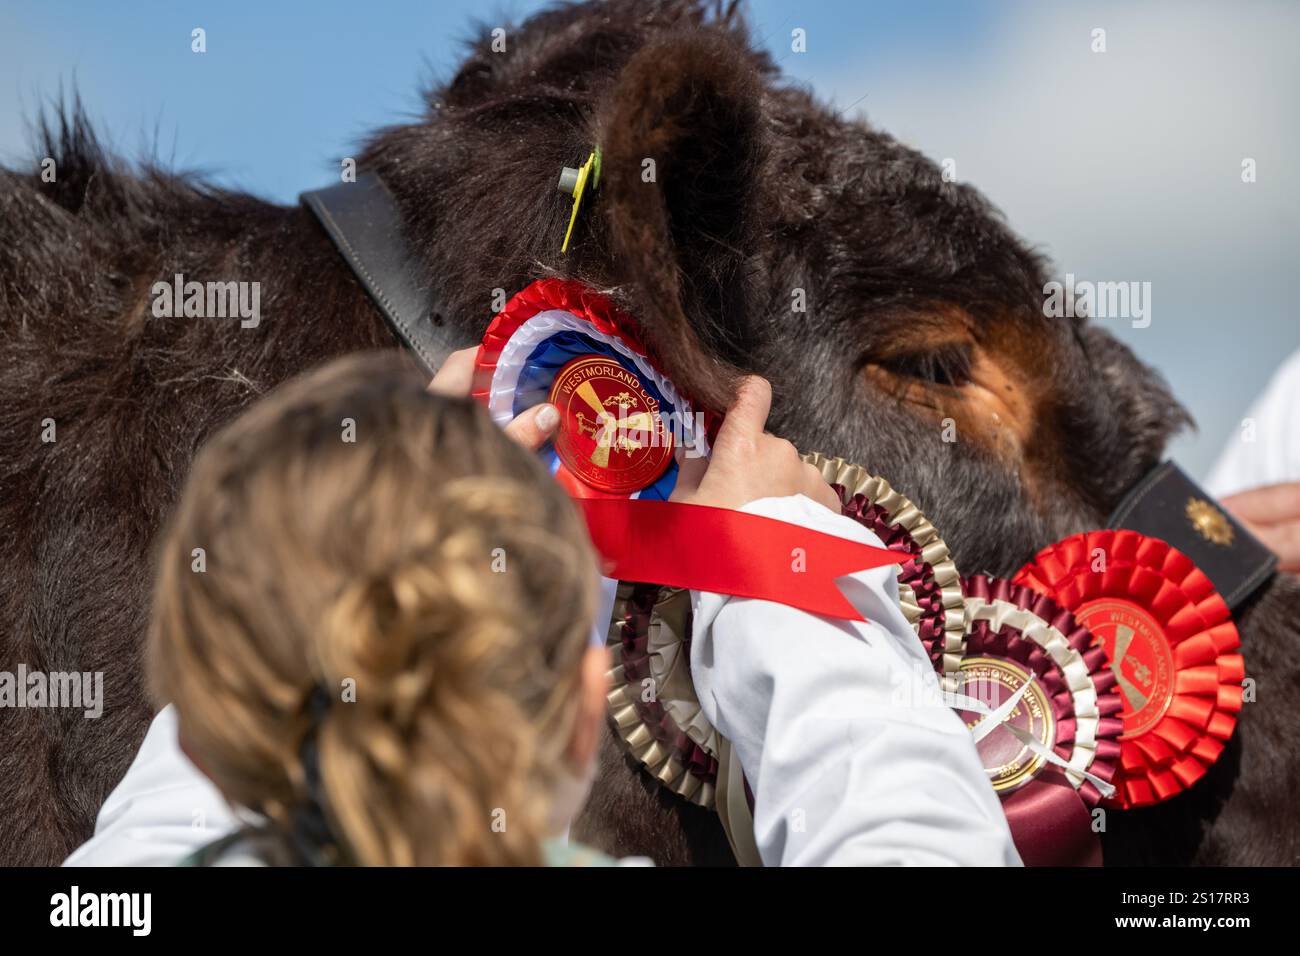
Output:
x=947 y=366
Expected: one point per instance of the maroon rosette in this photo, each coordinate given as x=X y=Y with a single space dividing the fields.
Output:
x=1052 y=753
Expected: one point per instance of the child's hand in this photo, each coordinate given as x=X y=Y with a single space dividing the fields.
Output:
x=531 y=429
x=747 y=462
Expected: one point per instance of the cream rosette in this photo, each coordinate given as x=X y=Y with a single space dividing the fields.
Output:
x=653 y=703
x=929 y=586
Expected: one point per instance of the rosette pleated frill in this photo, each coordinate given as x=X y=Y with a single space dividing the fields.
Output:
x=1171 y=642
x=1052 y=752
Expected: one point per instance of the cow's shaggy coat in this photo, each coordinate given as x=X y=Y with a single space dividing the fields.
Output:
x=729 y=200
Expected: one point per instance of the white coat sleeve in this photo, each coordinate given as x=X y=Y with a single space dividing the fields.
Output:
x=1265 y=448
x=850 y=752
x=163 y=810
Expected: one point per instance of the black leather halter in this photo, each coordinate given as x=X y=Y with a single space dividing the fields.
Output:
x=365 y=225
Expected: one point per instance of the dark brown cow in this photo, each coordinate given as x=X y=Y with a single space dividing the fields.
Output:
x=921 y=306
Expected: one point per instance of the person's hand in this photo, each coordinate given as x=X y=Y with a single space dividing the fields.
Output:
x=747 y=462
x=532 y=428
x=1272 y=514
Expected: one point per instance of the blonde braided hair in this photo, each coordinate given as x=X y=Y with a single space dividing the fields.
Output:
x=431 y=567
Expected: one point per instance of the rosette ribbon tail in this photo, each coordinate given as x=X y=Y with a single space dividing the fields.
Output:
x=728 y=552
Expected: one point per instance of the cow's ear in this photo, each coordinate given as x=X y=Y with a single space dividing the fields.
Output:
x=681 y=146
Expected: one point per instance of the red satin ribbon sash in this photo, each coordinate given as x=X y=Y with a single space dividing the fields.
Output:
x=728 y=552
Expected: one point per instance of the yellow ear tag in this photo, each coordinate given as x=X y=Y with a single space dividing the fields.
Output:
x=574 y=182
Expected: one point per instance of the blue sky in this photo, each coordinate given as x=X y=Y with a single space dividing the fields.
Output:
x=284 y=88
x=1120 y=166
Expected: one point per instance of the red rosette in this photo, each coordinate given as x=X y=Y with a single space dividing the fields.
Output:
x=1021 y=642
x=1170 y=640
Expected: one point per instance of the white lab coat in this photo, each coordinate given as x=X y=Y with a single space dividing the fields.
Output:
x=1265 y=448
x=837 y=725
x=163 y=810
